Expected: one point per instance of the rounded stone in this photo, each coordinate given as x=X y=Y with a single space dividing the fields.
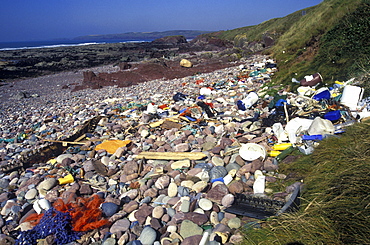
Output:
x=185 y=206
x=44 y=204
x=199 y=211
x=31 y=194
x=199 y=186
x=148 y=236
x=205 y=204
x=180 y=164
x=236 y=187
x=109 y=241
x=187 y=183
x=162 y=182
x=4 y=183
x=227 y=200
x=217 y=161
x=109 y=208
x=171 y=212
x=217 y=172
x=131 y=216
x=189 y=228
x=232 y=166
x=234 y=223
x=120 y=225
x=183 y=191
x=131 y=206
x=61 y=157
x=158 y=212
x=172 y=189
x=47 y=184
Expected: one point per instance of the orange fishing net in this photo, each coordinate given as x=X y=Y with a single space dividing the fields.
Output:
x=85 y=213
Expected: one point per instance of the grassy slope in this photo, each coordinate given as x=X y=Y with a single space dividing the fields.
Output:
x=332 y=38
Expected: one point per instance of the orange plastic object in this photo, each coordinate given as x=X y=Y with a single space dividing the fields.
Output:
x=199 y=81
x=112 y=145
x=163 y=106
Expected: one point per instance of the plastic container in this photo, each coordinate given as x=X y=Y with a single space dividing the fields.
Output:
x=333 y=115
x=284 y=153
x=321 y=126
x=247 y=103
x=312 y=137
x=295 y=127
x=66 y=180
x=322 y=94
x=274 y=153
x=259 y=185
x=351 y=96
x=311 y=80
x=252 y=151
x=281 y=147
x=305 y=91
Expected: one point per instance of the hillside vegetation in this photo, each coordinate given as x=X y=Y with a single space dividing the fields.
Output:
x=331 y=38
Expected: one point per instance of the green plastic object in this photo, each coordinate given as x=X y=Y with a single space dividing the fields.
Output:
x=284 y=153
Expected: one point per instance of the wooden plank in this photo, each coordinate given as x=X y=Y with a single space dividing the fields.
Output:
x=171 y=155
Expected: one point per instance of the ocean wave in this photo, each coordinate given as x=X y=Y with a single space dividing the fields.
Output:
x=52 y=46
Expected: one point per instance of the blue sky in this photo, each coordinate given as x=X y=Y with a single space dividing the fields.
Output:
x=27 y=20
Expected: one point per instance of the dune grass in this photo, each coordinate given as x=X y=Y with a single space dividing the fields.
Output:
x=335 y=199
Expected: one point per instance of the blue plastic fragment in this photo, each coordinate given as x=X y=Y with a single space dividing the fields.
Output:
x=190 y=118
x=312 y=137
x=217 y=179
x=323 y=95
x=280 y=102
x=333 y=115
x=240 y=105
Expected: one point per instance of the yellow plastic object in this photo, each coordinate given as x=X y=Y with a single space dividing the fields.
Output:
x=112 y=145
x=66 y=179
x=53 y=161
x=281 y=147
x=274 y=153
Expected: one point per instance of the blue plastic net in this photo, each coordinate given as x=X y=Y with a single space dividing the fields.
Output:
x=53 y=222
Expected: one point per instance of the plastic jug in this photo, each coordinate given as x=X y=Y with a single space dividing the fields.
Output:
x=351 y=96
x=247 y=103
x=321 y=126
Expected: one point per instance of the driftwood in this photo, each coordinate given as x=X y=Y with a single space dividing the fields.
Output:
x=171 y=155
x=54 y=149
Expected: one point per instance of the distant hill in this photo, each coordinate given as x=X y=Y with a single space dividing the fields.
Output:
x=189 y=34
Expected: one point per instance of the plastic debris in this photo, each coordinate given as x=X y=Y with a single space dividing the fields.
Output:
x=112 y=145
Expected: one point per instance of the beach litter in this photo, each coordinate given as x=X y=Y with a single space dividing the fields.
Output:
x=155 y=164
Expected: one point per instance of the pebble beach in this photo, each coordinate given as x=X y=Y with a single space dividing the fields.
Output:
x=132 y=199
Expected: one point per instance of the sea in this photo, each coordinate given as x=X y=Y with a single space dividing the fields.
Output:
x=58 y=43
